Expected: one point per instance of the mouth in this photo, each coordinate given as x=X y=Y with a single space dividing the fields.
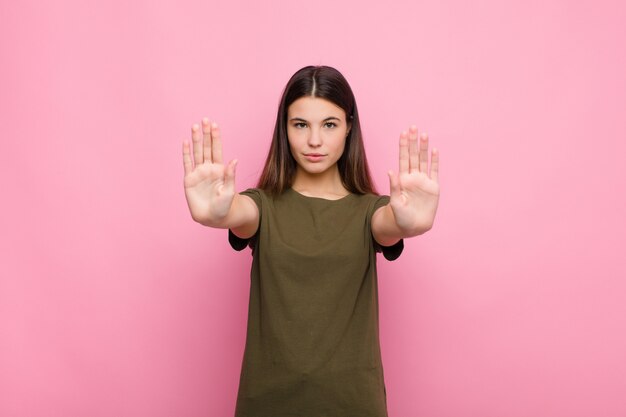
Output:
x=314 y=157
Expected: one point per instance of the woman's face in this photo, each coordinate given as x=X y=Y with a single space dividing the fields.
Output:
x=317 y=131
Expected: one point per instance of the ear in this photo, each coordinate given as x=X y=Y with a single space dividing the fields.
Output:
x=349 y=128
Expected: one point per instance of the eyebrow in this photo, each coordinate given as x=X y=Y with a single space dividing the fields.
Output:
x=303 y=120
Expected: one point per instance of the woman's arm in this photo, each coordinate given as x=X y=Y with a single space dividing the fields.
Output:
x=414 y=194
x=210 y=185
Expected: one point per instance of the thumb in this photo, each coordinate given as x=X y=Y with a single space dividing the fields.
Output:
x=394 y=186
x=229 y=176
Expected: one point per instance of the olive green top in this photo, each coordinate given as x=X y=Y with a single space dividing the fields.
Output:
x=312 y=346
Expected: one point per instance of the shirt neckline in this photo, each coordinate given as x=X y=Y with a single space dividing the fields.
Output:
x=306 y=197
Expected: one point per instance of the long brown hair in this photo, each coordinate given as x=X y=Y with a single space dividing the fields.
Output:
x=280 y=166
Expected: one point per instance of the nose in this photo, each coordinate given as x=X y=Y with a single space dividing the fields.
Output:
x=314 y=139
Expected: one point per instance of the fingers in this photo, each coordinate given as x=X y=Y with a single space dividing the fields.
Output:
x=413 y=150
x=414 y=157
x=229 y=176
x=206 y=142
x=196 y=137
x=404 y=153
x=434 y=165
x=187 y=158
x=423 y=158
x=216 y=143
x=208 y=147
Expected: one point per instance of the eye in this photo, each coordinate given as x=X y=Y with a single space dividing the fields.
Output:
x=330 y=125
x=299 y=125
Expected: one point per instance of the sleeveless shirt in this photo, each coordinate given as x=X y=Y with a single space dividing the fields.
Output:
x=312 y=344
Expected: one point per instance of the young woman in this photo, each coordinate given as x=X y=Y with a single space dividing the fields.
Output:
x=314 y=224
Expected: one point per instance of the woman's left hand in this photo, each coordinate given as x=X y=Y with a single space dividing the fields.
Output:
x=414 y=192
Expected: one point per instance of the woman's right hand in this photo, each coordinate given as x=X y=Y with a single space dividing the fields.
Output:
x=209 y=184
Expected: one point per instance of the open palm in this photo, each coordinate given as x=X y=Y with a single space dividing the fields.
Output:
x=414 y=192
x=209 y=184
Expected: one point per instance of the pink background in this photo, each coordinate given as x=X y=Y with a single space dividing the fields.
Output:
x=113 y=302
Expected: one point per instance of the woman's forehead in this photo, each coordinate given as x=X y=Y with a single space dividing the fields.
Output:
x=314 y=108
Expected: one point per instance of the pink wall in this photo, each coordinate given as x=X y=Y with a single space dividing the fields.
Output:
x=113 y=302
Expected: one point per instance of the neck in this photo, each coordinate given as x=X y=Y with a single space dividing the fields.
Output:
x=326 y=184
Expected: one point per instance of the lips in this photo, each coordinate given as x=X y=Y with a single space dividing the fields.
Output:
x=314 y=157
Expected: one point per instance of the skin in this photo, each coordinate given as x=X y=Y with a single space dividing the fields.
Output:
x=414 y=192
x=316 y=126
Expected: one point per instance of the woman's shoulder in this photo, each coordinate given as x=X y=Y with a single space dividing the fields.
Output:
x=373 y=198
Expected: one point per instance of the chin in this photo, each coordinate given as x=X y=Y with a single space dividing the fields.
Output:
x=314 y=169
